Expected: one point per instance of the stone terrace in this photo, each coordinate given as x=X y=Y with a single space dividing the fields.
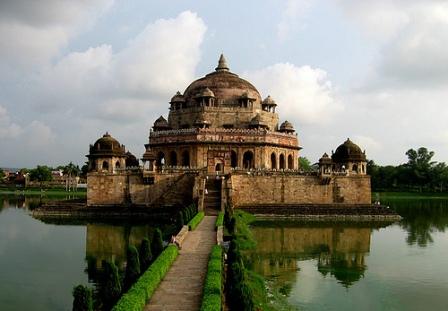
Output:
x=181 y=289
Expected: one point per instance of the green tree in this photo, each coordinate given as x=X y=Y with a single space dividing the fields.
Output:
x=111 y=287
x=145 y=255
x=41 y=173
x=82 y=298
x=132 y=267
x=2 y=174
x=420 y=164
x=304 y=164
x=180 y=220
x=157 y=243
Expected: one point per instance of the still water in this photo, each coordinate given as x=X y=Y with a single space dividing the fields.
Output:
x=40 y=263
x=399 y=266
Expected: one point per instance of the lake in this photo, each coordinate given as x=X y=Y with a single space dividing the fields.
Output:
x=354 y=266
x=42 y=262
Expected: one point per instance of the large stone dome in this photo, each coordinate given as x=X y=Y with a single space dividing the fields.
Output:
x=348 y=152
x=107 y=146
x=226 y=86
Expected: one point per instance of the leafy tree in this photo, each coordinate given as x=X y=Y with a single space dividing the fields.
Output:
x=145 y=255
x=420 y=164
x=82 y=298
x=157 y=243
x=2 y=174
x=304 y=164
x=180 y=220
x=111 y=289
x=71 y=169
x=132 y=267
x=41 y=174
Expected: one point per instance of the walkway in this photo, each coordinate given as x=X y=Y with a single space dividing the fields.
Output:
x=181 y=289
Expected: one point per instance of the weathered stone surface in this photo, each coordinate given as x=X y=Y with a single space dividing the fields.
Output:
x=181 y=289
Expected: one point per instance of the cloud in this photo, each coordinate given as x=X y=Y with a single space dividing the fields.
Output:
x=413 y=35
x=99 y=89
x=7 y=127
x=33 y=32
x=292 y=17
x=305 y=94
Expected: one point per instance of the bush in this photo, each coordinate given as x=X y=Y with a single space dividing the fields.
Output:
x=82 y=298
x=157 y=243
x=219 y=220
x=145 y=255
x=180 y=220
x=135 y=299
x=192 y=224
x=111 y=289
x=211 y=299
x=132 y=267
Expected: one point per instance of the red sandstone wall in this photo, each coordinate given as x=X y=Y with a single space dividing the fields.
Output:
x=298 y=189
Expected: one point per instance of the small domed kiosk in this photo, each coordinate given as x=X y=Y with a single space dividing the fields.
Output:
x=349 y=158
x=107 y=155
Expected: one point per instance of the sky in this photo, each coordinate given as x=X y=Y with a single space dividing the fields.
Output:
x=374 y=71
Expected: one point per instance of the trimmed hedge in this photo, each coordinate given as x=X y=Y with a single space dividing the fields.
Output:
x=192 y=224
x=219 y=220
x=211 y=299
x=137 y=296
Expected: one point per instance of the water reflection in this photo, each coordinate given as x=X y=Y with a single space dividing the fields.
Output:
x=421 y=218
x=339 y=251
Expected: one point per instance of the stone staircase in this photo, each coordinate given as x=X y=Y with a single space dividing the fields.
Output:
x=212 y=200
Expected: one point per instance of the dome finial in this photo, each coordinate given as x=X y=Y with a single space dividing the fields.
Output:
x=222 y=64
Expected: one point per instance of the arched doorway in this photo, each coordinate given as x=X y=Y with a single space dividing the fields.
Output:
x=160 y=159
x=219 y=167
x=282 y=162
x=173 y=158
x=105 y=166
x=117 y=164
x=290 y=162
x=248 y=160
x=233 y=159
x=273 y=161
x=186 y=158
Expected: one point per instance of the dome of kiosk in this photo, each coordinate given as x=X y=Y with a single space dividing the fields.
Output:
x=131 y=160
x=206 y=93
x=286 y=127
x=226 y=86
x=269 y=101
x=348 y=152
x=178 y=97
x=161 y=124
x=107 y=146
x=325 y=159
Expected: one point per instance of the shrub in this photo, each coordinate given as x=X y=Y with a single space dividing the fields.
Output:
x=132 y=267
x=219 y=220
x=112 y=286
x=157 y=243
x=137 y=296
x=145 y=255
x=211 y=299
x=192 y=224
x=82 y=298
x=180 y=220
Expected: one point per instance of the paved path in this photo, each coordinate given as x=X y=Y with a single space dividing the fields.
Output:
x=181 y=289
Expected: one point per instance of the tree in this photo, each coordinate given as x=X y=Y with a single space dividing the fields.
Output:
x=111 y=287
x=82 y=298
x=145 y=255
x=420 y=164
x=304 y=164
x=132 y=267
x=157 y=243
x=2 y=174
x=41 y=174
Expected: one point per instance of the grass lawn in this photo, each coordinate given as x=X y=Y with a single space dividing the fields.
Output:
x=409 y=195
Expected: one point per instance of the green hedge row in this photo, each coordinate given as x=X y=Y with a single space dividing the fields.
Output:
x=137 y=296
x=211 y=299
x=192 y=224
x=219 y=220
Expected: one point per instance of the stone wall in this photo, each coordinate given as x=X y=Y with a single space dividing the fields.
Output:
x=106 y=188
x=298 y=189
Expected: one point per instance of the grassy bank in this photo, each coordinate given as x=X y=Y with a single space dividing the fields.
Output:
x=409 y=195
x=54 y=192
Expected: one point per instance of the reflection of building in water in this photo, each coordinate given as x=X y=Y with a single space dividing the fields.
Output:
x=339 y=251
x=110 y=243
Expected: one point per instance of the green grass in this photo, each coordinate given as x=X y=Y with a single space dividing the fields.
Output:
x=219 y=220
x=193 y=223
x=44 y=192
x=243 y=236
x=211 y=299
x=137 y=296
x=409 y=195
